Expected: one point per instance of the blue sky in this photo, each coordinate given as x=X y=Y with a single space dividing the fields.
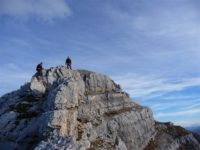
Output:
x=152 y=48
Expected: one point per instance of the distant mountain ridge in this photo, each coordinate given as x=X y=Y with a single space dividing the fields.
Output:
x=195 y=129
x=82 y=110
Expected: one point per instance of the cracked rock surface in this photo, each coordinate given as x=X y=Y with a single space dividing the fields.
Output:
x=75 y=110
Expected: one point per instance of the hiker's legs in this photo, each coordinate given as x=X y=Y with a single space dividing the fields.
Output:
x=69 y=66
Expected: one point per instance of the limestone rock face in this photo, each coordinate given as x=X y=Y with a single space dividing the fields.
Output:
x=171 y=137
x=76 y=110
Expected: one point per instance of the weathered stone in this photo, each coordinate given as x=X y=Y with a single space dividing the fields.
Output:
x=79 y=110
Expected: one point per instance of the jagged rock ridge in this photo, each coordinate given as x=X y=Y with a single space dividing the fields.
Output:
x=78 y=110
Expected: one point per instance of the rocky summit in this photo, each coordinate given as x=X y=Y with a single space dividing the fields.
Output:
x=64 y=109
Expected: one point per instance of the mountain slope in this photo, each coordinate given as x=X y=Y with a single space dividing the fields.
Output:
x=195 y=129
x=171 y=137
x=78 y=110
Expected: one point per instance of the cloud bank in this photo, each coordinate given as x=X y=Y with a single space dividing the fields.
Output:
x=47 y=10
x=146 y=87
x=178 y=113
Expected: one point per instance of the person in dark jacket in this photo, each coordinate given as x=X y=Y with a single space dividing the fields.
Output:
x=39 y=68
x=68 y=63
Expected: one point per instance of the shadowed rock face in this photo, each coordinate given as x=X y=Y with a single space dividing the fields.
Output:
x=73 y=110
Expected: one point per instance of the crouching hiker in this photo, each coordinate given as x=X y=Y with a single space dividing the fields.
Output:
x=39 y=69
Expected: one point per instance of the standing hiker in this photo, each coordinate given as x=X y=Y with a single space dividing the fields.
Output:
x=68 y=63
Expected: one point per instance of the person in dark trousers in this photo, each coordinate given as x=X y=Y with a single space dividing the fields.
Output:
x=39 y=68
x=69 y=63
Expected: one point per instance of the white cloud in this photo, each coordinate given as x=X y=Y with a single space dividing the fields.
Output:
x=169 y=24
x=151 y=86
x=182 y=105
x=194 y=122
x=180 y=97
x=192 y=106
x=179 y=113
x=47 y=10
x=152 y=19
